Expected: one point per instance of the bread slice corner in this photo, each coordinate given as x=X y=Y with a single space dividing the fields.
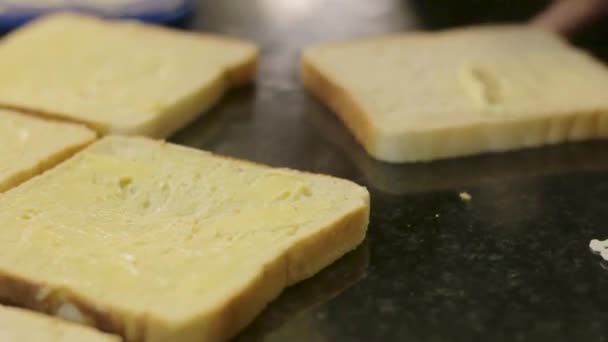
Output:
x=29 y=145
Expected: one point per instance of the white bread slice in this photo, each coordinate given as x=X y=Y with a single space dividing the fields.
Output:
x=17 y=325
x=425 y=96
x=29 y=146
x=157 y=242
x=119 y=76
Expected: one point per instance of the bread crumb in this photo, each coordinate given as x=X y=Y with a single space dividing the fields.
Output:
x=70 y=312
x=599 y=247
x=465 y=196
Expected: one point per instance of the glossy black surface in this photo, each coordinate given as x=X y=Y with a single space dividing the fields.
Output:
x=510 y=265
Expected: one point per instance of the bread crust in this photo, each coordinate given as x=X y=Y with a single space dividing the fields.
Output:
x=339 y=100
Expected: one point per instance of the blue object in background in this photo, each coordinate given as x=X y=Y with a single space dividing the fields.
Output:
x=14 y=13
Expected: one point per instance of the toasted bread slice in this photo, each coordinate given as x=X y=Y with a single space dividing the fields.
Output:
x=157 y=242
x=425 y=96
x=119 y=76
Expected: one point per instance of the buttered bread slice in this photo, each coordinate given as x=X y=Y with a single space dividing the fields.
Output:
x=157 y=242
x=28 y=146
x=424 y=96
x=119 y=76
x=17 y=325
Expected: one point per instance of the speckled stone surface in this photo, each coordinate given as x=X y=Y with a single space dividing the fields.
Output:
x=512 y=264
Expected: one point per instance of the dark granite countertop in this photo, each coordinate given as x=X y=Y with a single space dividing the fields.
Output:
x=512 y=264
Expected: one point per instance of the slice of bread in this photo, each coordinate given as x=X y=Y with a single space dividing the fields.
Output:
x=157 y=242
x=17 y=325
x=119 y=76
x=425 y=96
x=29 y=146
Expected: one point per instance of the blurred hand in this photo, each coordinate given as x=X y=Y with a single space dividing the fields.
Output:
x=567 y=16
